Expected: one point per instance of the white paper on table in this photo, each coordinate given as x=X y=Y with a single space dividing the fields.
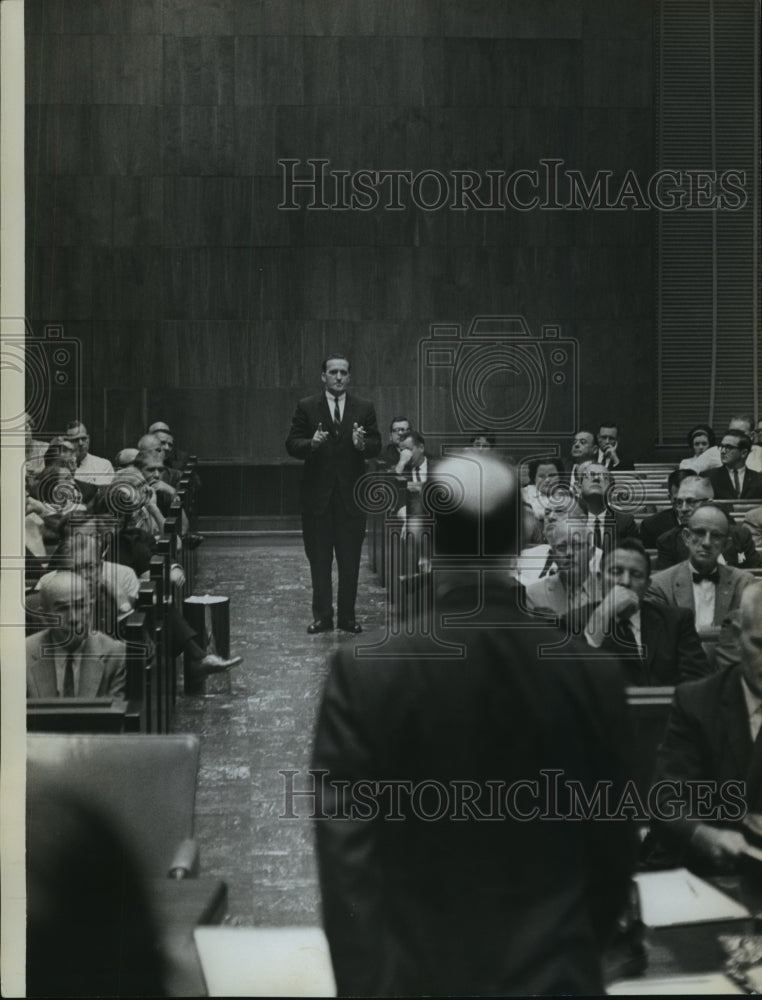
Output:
x=680 y=897
x=712 y=983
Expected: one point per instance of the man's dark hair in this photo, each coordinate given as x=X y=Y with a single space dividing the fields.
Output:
x=143 y=458
x=73 y=424
x=627 y=545
x=677 y=476
x=416 y=438
x=744 y=441
x=701 y=429
x=535 y=464
x=397 y=420
x=484 y=434
x=336 y=356
x=609 y=423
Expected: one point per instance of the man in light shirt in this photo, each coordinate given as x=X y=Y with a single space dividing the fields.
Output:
x=710 y=589
x=91 y=469
x=713 y=735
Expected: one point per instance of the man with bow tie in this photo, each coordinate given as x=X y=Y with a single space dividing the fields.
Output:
x=334 y=433
x=710 y=589
x=656 y=644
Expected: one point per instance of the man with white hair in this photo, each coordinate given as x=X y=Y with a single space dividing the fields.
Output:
x=419 y=750
x=692 y=492
x=68 y=660
x=713 y=737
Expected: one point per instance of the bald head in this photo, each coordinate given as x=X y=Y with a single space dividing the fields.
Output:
x=480 y=515
x=150 y=443
x=66 y=595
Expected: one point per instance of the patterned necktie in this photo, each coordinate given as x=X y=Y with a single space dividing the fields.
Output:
x=737 y=482
x=68 y=684
x=416 y=475
x=336 y=415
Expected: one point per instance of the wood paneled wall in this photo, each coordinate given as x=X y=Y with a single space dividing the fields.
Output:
x=154 y=128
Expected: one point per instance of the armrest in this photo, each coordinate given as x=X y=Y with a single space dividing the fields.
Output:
x=185 y=862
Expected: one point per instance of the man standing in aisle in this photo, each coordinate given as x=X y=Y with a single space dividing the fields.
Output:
x=334 y=433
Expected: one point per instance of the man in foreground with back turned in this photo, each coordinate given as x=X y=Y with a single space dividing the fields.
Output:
x=334 y=433
x=441 y=870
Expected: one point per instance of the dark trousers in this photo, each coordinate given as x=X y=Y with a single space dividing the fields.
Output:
x=333 y=532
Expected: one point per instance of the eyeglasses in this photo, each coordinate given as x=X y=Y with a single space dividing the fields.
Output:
x=729 y=447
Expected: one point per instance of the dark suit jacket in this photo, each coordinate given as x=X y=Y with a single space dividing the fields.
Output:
x=625 y=464
x=671 y=647
x=336 y=464
x=655 y=525
x=724 y=489
x=707 y=738
x=442 y=907
x=615 y=526
x=102 y=672
x=739 y=550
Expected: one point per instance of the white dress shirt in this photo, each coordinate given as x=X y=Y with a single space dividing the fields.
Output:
x=754 y=708
x=342 y=400
x=704 y=596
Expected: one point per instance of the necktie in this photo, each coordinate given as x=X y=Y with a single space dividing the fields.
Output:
x=550 y=568
x=416 y=475
x=336 y=415
x=713 y=577
x=625 y=635
x=68 y=684
x=737 y=482
x=597 y=537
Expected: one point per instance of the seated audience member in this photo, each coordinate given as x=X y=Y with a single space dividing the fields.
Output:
x=657 y=644
x=411 y=472
x=608 y=525
x=753 y=521
x=711 y=458
x=608 y=449
x=151 y=444
x=34 y=451
x=68 y=660
x=655 y=525
x=123 y=499
x=544 y=474
x=700 y=439
x=754 y=461
x=91 y=930
x=712 y=738
x=173 y=457
x=671 y=548
x=57 y=496
x=163 y=483
x=482 y=441
x=701 y=583
x=125 y=458
x=91 y=469
x=574 y=585
x=536 y=559
x=733 y=480
x=584 y=449
x=399 y=428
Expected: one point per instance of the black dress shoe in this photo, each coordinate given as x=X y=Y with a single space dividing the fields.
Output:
x=320 y=625
x=350 y=626
x=192 y=541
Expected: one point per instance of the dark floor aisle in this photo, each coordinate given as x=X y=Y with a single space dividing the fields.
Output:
x=263 y=726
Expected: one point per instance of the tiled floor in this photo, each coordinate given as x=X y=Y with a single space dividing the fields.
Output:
x=263 y=726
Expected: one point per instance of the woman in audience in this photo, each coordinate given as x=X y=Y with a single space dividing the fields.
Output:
x=544 y=474
x=700 y=438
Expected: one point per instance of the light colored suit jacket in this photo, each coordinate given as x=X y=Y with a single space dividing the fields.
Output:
x=103 y=670
x=753 y=521
x=675 y=586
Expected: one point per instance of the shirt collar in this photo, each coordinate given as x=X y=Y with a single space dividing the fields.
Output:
x=335 y=399
x=752 y=700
